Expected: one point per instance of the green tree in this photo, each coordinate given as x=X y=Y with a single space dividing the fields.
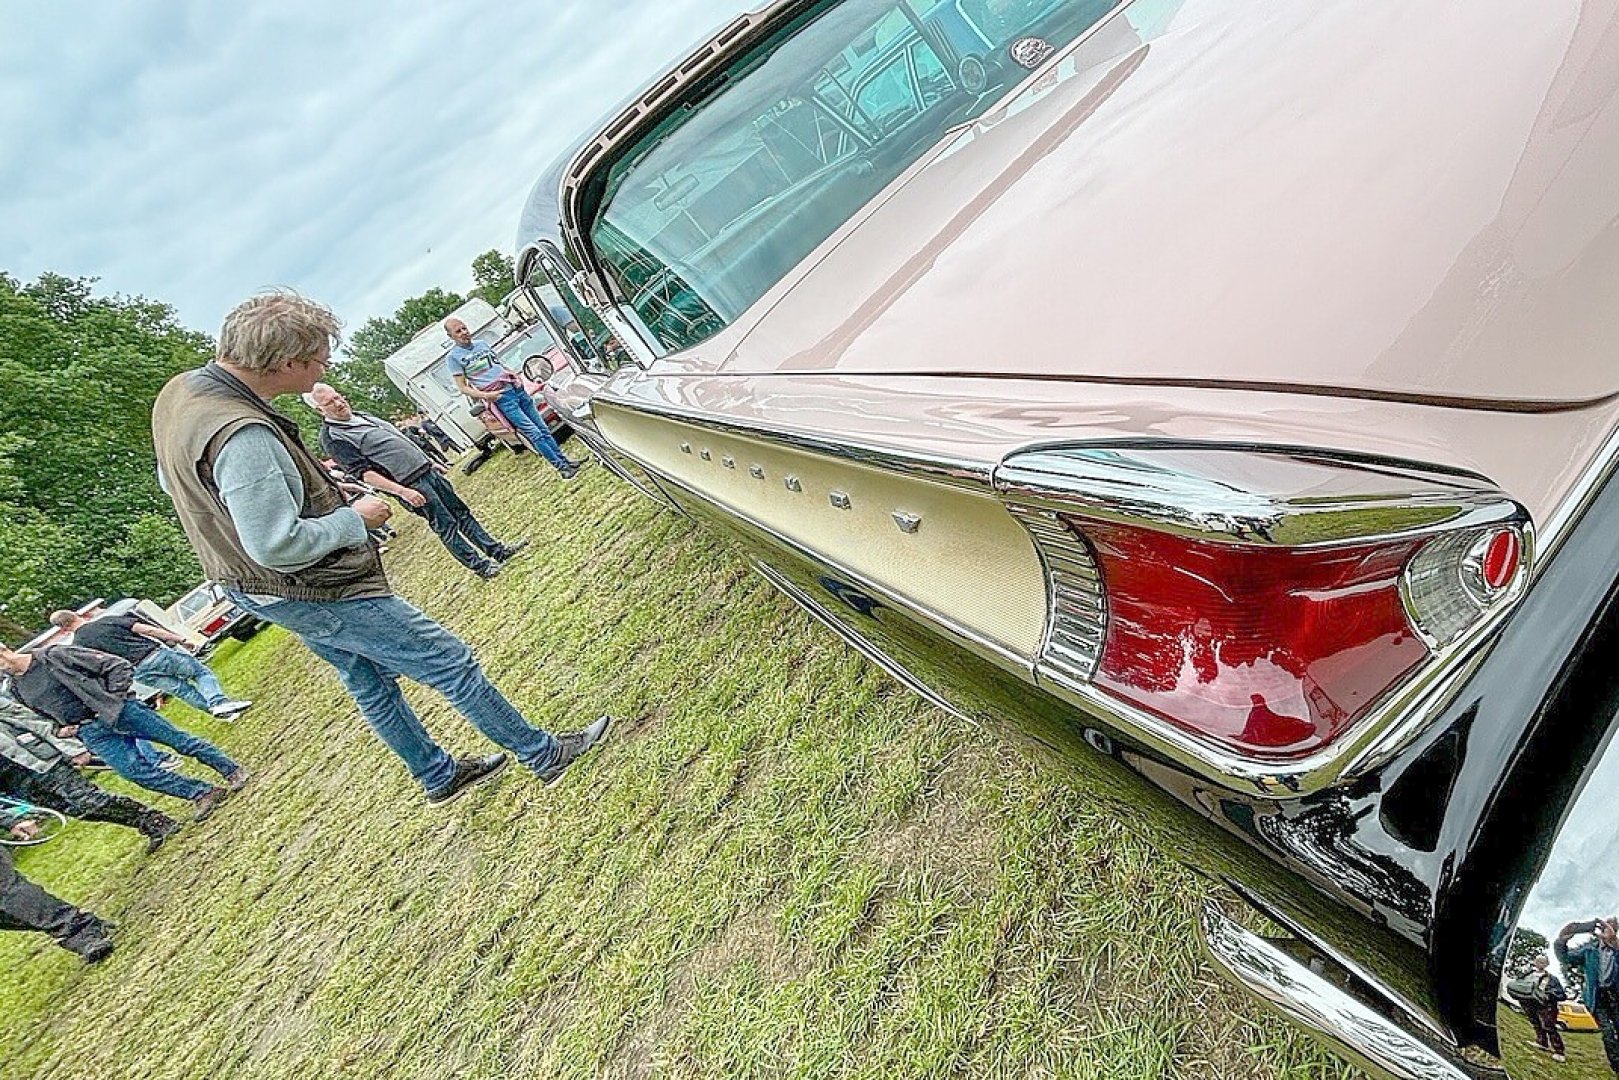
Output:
x=1526 y=945
x=361 y=375
x=78 y=375
x=494 y=276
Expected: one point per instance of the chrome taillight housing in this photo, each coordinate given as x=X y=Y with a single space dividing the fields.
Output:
x=1266 y=603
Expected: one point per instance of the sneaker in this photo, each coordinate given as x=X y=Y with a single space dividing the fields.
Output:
x=208 y=802
x=157 y=829
x=570 y=746
x=230 y=710
x=238 y=779
x=487 y=570
x=568 y=471
x=469 y=771
x=1559 y=1057
x=89 y=938
x=508 y=552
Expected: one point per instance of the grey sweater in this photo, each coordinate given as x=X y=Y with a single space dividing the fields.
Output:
x=263 y=493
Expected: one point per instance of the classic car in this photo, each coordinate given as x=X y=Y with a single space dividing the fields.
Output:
x=207 y=614
x=1572 y=1016
x=1225 y=395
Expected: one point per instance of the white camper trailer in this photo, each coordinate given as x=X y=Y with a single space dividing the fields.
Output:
x=421 y=374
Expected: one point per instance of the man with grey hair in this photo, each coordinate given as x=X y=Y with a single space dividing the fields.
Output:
x=271 y=526
x=381 y=455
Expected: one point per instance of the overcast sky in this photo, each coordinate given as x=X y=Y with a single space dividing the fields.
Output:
x=195 y=151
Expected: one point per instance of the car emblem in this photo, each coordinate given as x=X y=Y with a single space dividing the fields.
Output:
x=840 y=500
x=756 y=471
x=1030 y=52
x=793 y=484
x=728 y=461
x=908 y=523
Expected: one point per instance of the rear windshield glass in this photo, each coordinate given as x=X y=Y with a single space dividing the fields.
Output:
x=706 y=212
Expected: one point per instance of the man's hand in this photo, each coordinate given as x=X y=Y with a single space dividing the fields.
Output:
x=81 y=760
x=373 y=511
x=414 y=497
x=68 y=731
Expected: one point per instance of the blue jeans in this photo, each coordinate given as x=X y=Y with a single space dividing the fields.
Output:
x=115 y=743
x=373 y=642
x=521 y=412
x=452 y=520
x=177 y=672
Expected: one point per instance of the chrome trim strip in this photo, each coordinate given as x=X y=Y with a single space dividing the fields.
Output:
x=1213 y=494
x=1549 y=536
x=865 y=648
x=1346 y=1024
x=1076 y=619
x=959 y=472
x=968 y=638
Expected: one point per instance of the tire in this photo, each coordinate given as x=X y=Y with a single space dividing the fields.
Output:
x=244 y=630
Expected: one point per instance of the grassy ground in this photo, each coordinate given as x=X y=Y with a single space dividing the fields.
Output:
x=780 y=865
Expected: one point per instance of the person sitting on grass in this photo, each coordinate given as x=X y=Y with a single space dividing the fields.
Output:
x=86 y=694
x=37 y=767
x=159 y=656
x=26 y=906
x=269 y=524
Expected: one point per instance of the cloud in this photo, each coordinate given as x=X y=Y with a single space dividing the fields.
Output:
x=194 y=151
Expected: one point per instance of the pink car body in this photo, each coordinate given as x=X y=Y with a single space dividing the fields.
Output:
x=1213 y=394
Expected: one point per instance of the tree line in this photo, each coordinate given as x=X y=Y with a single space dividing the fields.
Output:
x=81 y=513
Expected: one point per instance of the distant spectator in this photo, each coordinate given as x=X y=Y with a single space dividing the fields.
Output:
x=26 y=906
x=37 y=767
x=432 y=430
x=479 y=374
x=86 y=694
x=1597 y=958
x=269 y=523
x=412 y=430
x=159 y=662
x=379 y=454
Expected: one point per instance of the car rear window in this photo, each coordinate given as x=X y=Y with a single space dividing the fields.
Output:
x=767 y=157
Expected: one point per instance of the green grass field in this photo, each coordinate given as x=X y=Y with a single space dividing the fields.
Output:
x=781 y=864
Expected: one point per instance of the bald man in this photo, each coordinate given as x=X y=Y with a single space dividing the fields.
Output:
x=480 y=375
x=379 y=454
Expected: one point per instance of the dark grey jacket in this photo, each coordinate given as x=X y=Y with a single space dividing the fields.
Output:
x=98 y=679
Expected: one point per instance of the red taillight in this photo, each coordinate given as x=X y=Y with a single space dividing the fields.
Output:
x=1272 y=651
x=214 y=625
x=1501 y=557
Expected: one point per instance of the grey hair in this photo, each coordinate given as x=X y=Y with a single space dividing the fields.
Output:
x=309 y=395
x=271 y=330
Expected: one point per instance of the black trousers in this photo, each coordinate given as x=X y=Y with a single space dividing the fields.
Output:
x=62 y=789
x=1606 y=1014
x=26 y=906
x=452 y=520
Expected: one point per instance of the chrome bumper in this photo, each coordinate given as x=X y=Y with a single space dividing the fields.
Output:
x=1309 y=1000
